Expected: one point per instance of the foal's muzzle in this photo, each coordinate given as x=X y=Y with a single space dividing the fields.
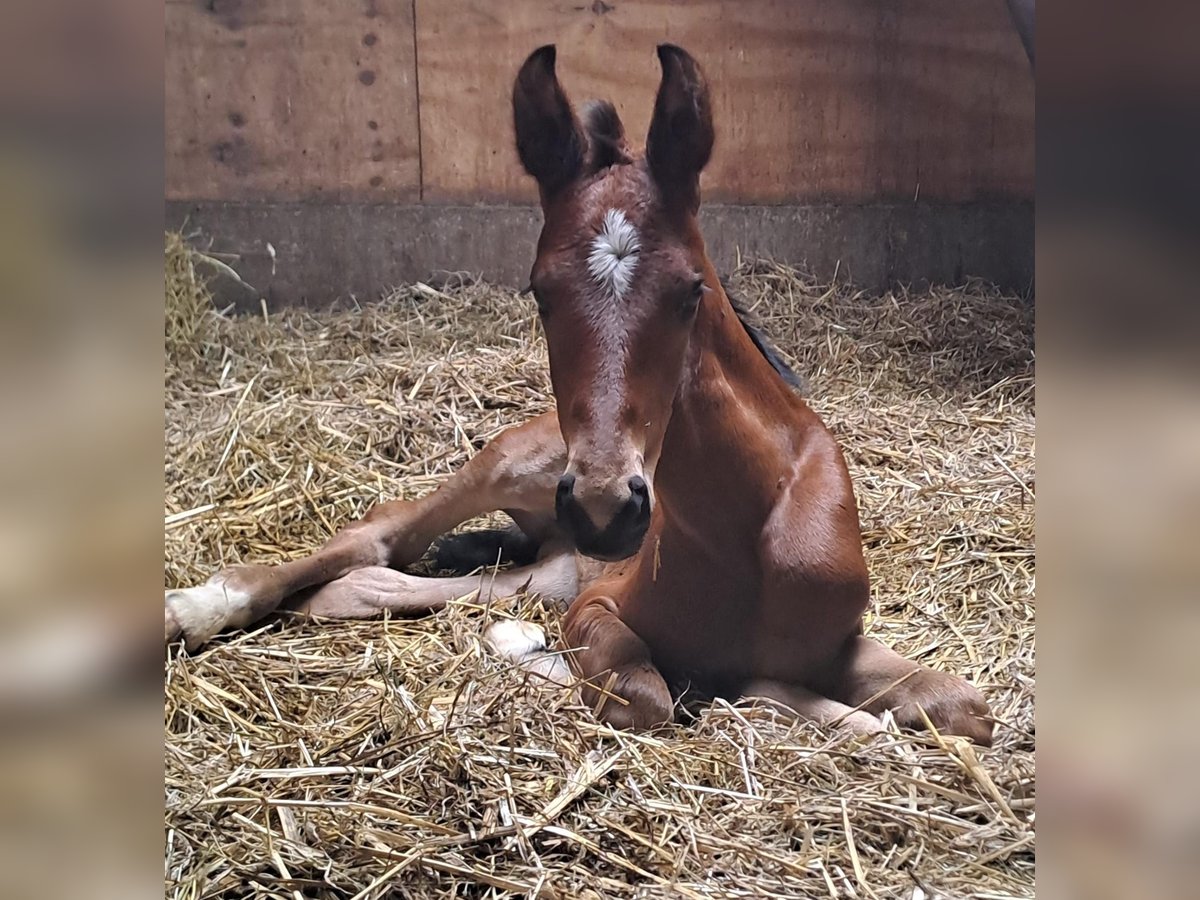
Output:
x=621 y=536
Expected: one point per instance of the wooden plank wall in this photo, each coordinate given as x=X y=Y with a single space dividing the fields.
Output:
x=815 y=100
x=291 y=100
x=305 y=118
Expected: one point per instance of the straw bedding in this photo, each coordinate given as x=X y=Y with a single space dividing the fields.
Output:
x=398 y=758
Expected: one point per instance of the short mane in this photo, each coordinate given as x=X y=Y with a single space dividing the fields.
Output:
x=763 y=343
x=606 y=135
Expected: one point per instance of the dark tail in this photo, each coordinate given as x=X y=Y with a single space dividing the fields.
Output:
x=468 y=551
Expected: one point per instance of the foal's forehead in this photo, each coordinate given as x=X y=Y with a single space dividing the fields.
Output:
x=607 y=233
x=625 y=189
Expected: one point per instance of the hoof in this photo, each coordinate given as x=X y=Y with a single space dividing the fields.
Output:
x=648 y=703
x=960 y=711
x=860 y=722
x=198 y=614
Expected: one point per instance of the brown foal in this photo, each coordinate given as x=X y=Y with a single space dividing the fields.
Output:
x=694 y=513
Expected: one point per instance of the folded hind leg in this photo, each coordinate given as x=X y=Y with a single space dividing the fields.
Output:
x=810 y=706
x=374 y=590
x=870 y=675
x=518 y=470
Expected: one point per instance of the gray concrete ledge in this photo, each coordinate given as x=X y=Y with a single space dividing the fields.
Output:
x=328 y=251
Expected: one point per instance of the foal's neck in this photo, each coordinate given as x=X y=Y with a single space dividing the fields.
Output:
x=728 y=441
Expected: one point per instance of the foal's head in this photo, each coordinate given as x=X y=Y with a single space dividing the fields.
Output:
x=619 y=275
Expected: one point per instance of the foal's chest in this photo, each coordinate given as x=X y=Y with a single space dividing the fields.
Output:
x=709 y=621
x=699 y=622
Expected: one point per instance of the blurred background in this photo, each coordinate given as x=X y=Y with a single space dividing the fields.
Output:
x=1119 y=437
x=82 y=173
x=81 y=439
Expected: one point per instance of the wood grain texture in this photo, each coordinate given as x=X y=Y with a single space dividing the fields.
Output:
x=291 y=100
x=815 y=100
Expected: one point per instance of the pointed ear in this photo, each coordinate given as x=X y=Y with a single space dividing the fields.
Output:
x=550 y=141
x=681 y=132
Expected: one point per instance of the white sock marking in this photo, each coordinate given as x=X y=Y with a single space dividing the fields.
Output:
x=204 y=611
x=525 y=644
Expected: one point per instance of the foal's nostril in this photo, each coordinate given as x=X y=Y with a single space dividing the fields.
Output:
x=600 y=531
x=566 y=487
x=639 y=490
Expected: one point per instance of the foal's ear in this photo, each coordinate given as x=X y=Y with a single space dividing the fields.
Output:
x=681 y=133
x=550 y=141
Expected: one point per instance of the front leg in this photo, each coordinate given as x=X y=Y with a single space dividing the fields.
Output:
x=518 y=470
x=619 y=676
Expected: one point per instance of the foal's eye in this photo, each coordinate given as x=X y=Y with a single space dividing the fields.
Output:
x=691 y=299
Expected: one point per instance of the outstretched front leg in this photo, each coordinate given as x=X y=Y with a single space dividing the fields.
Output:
x=618 y=674
x=518 y=471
